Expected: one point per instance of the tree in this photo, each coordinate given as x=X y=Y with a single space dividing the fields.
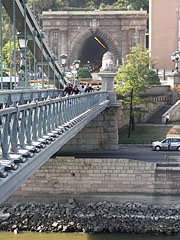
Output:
x=134 y=78
x=138 y=4
x=84 y=73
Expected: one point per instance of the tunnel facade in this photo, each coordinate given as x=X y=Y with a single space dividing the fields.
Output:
x=86 y=36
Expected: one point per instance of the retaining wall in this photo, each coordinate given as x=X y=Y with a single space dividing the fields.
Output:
x=173 y=112
x=118 y=180
x=100 y=134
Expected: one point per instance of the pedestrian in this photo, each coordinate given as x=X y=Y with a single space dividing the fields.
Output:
x=82 y=89
x=91 y=89
x=76 y=90
x=98 y=88
x=88 y=88
x=167 y=119
x=169 y=144
x=68 y=89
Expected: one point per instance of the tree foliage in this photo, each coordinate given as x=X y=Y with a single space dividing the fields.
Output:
x=136 y=74
x=134 y=78
x=84 y=73
x=38 y=6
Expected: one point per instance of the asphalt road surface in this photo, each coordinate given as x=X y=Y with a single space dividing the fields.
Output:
x=134 y=153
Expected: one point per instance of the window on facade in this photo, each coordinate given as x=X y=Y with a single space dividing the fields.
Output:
x=133 y=39
x=55 y=35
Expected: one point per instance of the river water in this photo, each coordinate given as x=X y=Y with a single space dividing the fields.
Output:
x=80 y=236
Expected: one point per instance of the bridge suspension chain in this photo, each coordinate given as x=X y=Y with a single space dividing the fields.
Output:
x=20 y=14
x=1 y=44
x=14 y=39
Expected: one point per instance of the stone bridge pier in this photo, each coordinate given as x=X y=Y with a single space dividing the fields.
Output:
x=101 y=133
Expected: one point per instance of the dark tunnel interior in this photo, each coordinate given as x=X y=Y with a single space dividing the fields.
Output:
x=92 y=53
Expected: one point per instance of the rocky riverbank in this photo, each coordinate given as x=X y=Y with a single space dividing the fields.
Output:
x=91 y=218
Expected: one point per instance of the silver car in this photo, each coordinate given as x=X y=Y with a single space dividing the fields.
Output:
x=170 y=143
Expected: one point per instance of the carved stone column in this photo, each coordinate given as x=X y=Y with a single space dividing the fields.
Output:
x=108 y=84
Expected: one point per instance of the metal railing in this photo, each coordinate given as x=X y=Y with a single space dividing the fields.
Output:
x=28 y=128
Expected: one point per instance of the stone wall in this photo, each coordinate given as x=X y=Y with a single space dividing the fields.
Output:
x=96 y=179
x=69 y=175
x=123 y=113
x=100 y=134
x=123 y=117
x=173 y=112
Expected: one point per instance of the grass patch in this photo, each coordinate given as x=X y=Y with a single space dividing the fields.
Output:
x=147 y=134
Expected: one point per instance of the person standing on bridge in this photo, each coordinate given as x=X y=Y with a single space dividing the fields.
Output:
x=88 y=88
x=76 y=90
x=68 y=89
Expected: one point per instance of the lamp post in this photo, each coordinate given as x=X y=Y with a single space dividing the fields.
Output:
x=63 y=58
x=48 y=61
x=23 y=79
x=53 y=58
x=77 y=64
x=42 y=59
x=175 y=57
x=34 y=50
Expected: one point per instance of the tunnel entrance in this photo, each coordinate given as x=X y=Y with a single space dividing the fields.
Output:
x=92 y=53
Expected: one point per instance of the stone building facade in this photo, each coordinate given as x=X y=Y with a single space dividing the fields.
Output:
x=73 y=33
x=164 y=26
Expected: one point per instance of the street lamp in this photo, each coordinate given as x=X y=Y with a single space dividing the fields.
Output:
x=175 y=57
x=77 y=64
x=42 y=62
x=63 y=58
x=53 y=58
x=23 y=78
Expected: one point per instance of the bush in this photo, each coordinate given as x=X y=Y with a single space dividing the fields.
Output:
x=84 y=73
x=5 y=74
x=153 y=78
x=75 y=9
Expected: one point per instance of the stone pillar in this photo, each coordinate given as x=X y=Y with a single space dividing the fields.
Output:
x=64 y=42
x=174 y=81
x=108 y=85
x=99 y=135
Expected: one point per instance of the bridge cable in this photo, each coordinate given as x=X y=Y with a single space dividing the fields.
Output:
x=1 y=44
x=10 y=36
x=14 y=32
x=34 y=50
x=25 y=37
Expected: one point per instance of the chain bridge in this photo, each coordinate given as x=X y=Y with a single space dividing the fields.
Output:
x=36 y=123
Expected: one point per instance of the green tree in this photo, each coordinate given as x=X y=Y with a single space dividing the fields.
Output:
x=138 y=4
x=84 y=73
x=134 y=78
x=39 y=5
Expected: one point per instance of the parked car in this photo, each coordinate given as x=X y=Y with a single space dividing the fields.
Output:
x=169 y=143
x=69 y=74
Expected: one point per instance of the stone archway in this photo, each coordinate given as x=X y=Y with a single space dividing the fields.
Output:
x=72 y=32
x=87 y=48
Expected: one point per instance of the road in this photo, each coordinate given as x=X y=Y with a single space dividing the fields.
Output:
x=135 y=153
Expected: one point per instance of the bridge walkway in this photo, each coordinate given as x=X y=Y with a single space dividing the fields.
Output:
x=32 y=133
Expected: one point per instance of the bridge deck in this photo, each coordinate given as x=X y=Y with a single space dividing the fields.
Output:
x=24 y=162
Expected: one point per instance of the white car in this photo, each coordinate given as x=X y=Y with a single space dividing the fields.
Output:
x=69 y=74
x=169 y=143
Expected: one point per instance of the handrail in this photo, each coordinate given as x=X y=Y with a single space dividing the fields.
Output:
x=22 y=124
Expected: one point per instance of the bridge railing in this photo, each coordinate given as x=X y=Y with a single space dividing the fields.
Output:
x=19 y=97
x=28 y=128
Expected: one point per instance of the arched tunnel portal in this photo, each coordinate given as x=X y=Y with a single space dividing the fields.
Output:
x=92 y=52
